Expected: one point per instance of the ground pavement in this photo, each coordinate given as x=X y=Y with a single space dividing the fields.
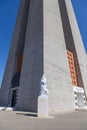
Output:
x=26 y=121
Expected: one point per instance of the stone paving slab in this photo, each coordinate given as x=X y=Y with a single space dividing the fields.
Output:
x=26 y=121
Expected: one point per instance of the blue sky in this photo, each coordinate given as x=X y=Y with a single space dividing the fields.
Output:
x=8 y=13
x=80 y=8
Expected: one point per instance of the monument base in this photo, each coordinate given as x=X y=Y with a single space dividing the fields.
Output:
x=43 y=106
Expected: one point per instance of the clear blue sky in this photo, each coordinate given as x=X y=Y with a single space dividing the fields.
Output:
x=8 y=13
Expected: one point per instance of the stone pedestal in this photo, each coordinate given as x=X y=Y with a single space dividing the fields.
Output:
x=43 y=106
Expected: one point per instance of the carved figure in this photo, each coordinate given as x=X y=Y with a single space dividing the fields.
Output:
x=43 y=84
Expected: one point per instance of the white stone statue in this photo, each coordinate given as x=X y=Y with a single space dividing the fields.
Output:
x=43 y=84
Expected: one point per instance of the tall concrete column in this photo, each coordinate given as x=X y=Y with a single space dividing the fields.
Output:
x=45 y=31
x=32 y=67
x=80 y=50
x=11 y=61
x=56 y=66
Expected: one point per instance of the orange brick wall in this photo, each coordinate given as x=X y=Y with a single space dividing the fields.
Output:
x=72 y=68
x=19 y=63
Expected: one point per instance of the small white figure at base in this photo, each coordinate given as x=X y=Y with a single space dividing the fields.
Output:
x=43 y=84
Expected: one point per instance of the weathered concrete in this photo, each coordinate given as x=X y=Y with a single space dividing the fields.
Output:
x=45 y=29
x=12 y=57
x=56 y=66
x=32 y=67
x=80 y=50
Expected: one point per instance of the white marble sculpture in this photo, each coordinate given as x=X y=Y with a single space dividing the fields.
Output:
x=43 y=84
x=43 y=98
